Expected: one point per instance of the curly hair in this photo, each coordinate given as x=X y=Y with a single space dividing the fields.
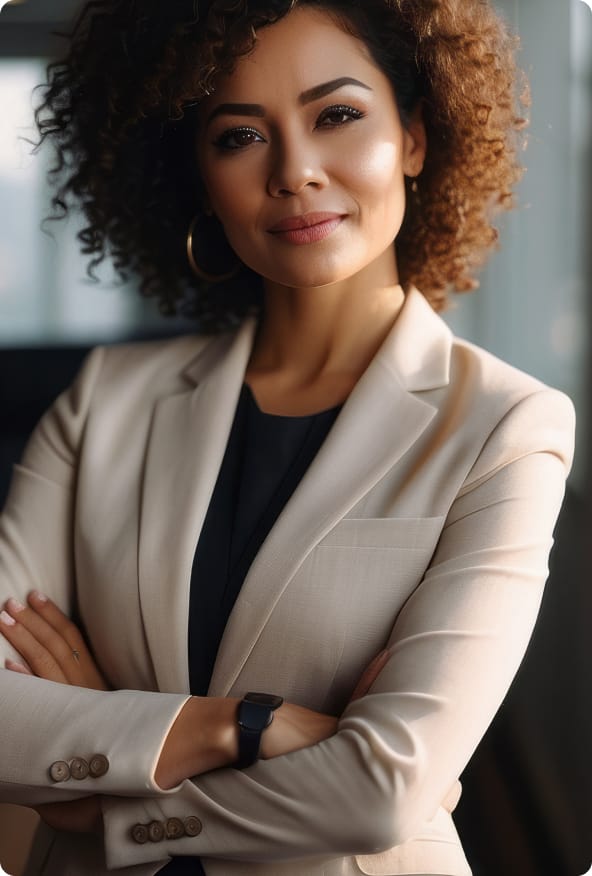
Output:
x=120 y=112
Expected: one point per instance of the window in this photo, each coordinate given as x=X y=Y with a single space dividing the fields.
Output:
x=531 y=309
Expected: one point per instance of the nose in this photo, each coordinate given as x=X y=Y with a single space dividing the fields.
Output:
x=295 y=166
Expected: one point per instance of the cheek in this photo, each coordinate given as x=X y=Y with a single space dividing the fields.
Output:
x=234 y=196
x=378 y=170
x=223 y=184
x=225 y=192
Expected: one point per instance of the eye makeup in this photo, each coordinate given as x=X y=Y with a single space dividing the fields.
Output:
x=332 y=117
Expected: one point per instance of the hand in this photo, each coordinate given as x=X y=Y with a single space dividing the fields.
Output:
x=51 y=646
x=75 y=816
x=370 y=675
x=205 y=737
x=294 y=727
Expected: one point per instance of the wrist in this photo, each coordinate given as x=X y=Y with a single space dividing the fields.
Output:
x=296 y=727
x=203 y=737
x=224 y=729
x=254 y=716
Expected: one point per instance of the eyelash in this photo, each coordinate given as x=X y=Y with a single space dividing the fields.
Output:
x=223 y=141
x=341 y=109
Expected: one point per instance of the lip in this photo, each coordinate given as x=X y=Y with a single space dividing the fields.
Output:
x=307 y=228
x=306 y=220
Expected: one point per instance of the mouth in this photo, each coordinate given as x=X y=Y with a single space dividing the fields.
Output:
x=307 y=228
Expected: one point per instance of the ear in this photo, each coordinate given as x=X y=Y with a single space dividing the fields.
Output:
x=414 y=143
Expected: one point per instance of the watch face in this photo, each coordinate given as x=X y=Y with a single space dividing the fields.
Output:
x=263 y=699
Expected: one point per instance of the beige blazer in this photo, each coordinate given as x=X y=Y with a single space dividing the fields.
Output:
x=424 y=522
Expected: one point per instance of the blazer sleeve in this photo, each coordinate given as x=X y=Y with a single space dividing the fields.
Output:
x=41 y=722
x=455 y=648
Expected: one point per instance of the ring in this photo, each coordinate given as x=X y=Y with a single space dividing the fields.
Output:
x=76 y=655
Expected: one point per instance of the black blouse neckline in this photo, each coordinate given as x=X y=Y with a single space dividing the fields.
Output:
x=302 y=417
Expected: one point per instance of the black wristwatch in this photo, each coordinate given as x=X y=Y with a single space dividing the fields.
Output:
x=255 y=713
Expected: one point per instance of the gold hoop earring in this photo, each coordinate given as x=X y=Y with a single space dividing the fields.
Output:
x=199 y=272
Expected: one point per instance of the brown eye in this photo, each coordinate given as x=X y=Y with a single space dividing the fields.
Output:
x=238 y=138
x=336 y=116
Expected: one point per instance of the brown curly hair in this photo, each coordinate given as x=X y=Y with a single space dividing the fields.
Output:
x=120 y=111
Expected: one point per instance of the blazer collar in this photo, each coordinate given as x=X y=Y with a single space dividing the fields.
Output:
x=379 y=422
x=416 y=350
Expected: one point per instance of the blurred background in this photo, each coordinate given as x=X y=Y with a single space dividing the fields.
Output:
x=527 y=804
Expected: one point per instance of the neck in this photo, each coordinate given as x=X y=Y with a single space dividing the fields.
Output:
x=315 y=333
x=314 y=343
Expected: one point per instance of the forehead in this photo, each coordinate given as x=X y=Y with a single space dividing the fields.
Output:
x=306 y=47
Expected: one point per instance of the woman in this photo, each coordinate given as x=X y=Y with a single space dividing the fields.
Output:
x=269 y=508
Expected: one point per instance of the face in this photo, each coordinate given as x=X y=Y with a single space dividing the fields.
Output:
x=303 y=156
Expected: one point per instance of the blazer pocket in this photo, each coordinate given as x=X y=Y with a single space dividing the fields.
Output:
x=401 y=533
x=362 y=573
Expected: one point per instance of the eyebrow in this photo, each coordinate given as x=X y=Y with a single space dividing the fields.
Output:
x=258 y=111
x=328 y=87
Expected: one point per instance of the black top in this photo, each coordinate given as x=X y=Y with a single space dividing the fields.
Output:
x=265 y=459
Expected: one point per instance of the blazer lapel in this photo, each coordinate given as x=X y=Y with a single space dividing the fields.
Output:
x=380 y=421
x=186 y=446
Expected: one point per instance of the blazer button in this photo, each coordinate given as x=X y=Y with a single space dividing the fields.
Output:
x=79 y=768
x=192 y=826
x=155 y=832
x=174 y=828
x=59 y=771
x=98 y=766
x=140 y=834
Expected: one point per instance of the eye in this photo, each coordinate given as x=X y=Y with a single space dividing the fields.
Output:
x=237 y=138
x=336 y=116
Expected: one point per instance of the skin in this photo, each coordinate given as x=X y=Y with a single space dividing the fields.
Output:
x=329 y=303
x=204 y=736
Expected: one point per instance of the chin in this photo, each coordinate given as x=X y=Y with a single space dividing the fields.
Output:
x=311 y=276
x=321 y=281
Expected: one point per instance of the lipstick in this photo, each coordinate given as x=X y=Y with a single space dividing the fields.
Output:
x=307 y=228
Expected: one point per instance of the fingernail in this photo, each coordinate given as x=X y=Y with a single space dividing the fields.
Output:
x=7 y=619
x=14 y=605
x=13 y=666
x=40 y=597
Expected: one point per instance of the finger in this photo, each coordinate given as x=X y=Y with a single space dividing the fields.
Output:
x=370 y=674
x=79 y=665
x=13 y=666
x=37 y=657
x=57 y=620
x=65 y=653
x=37 y=625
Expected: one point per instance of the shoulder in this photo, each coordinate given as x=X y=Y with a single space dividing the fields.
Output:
x=497 y=385
x=120 y=383
x=490 y=374
x=514 y=413
x=146 y=368
x=149 y=358
x=475 y=391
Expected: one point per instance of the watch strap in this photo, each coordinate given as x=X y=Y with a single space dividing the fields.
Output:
x=255 y=714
